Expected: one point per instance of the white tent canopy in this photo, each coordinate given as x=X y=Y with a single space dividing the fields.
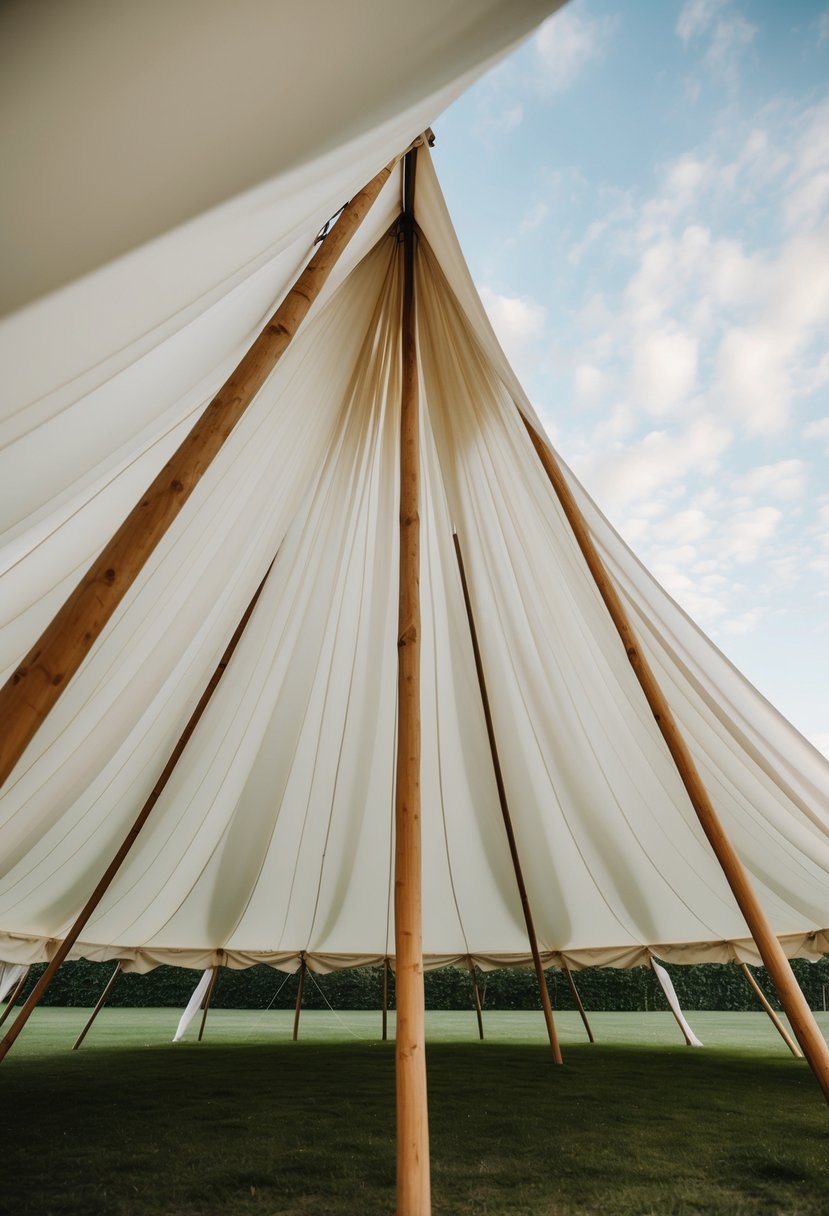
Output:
x=273 y=838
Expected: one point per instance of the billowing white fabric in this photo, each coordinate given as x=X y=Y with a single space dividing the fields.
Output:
x=193 y=1005
x=667 y=986
x=10 y=974
x=120 y=121
x=274 y=838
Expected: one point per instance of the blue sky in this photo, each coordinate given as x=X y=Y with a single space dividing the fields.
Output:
x=642 y=193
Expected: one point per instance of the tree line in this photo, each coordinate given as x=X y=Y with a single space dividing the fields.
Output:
x=705 y=986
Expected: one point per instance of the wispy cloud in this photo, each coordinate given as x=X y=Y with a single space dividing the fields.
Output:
x=567 y=42
x=727 y=34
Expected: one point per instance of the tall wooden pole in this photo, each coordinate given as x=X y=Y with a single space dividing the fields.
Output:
x=778 y=1025
x=413 y=1179
x=102 y=1000
x=477 y=997
x=14 y=995
x=791 y=998
x=208 y=997
x=577 y=999
x=41 y=677
x=385 y=999
x=115 y=865
x=299 y=991
x=505 y=814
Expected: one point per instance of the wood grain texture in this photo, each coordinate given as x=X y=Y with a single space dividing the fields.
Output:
x=413 y=1171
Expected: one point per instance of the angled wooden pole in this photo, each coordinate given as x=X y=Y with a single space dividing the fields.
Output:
x=299 y=991
x=13 y=997
x=41 y=677
x=385 y=999
x=413 y=1177
x=102 y=1000
x=477 y=997
x=505 y=813
x=778 y=1025
x=208 y=997
x=794 y=1003
x=577 y=999
x=112 y=869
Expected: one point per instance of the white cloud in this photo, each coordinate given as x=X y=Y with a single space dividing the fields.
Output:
x=566 y=42
x=785 y=480
x=762 y=365
x=696 y=16
x=535 y=217
x=728 y=34
x=818 y=429
x=731 y=36
x=591 y=384
x=684 y=527
x=623 y=475
x=509 y=120
x=518 y=322
x=664 y=370
x=744 y=623
x=744 y=534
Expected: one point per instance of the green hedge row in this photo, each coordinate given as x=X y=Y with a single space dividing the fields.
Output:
x=709 y=986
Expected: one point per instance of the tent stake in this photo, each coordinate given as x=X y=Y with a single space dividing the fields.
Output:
x=476 y=994
x=41 y=677
x=299 y=991
x=502 y=798
x=577 y=999
x=102 y=1000
x=778 y=1025
x=208 y=997
x=791 y=998
x=16 y=991
x=385 y=999
x=114 y=866
x=413 y=1178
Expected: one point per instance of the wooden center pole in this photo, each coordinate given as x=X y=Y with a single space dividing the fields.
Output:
x=577 y=999
x=102 y=1000
x=791 y=998
x=14 y=995
x=413 y=1178
x=778 y=1025
x=114 y=866
x=477 y=997
x=41 y=677
x=299 y=991
x=505 y=814
x=208 y=997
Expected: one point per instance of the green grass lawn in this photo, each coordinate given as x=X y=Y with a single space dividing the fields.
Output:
x=248 y=1121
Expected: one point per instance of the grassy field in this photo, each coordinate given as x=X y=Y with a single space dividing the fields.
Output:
x=248 y=1121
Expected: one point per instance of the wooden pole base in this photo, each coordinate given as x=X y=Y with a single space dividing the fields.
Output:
x=14 y=995
x=577 y=999
x=477 y=998
x=299 y=991
x=778 y=1025
x=208 y=997
x=102 y=1000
